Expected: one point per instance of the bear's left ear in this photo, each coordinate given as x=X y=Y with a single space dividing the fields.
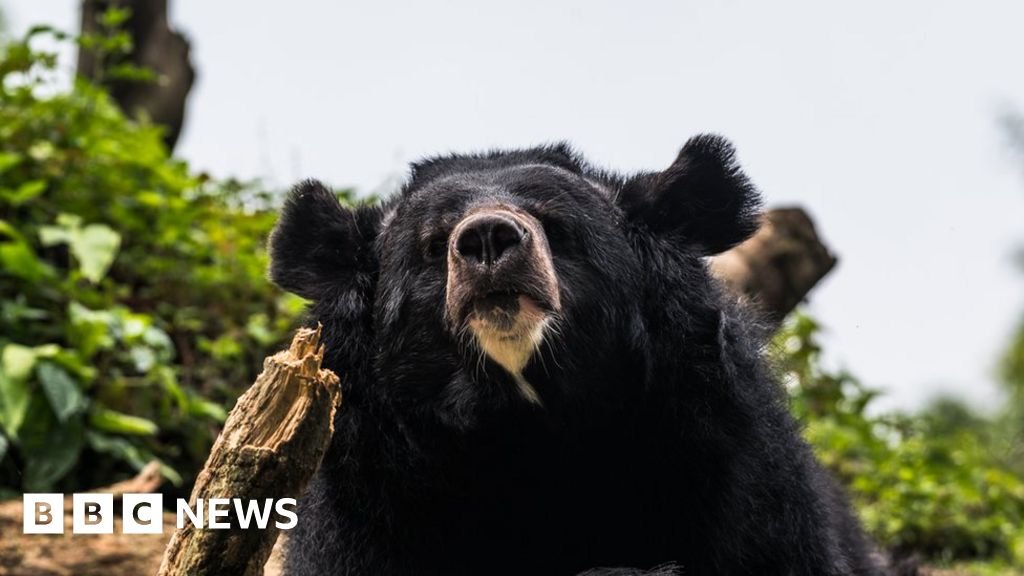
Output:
x=320 y=247
x=702 y=200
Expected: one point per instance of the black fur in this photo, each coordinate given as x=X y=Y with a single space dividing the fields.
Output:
x=662 y=441
x=703 y=198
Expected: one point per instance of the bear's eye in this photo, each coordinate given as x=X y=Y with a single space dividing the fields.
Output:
x=436 y=248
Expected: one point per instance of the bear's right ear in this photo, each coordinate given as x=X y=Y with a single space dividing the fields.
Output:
x=318 y=245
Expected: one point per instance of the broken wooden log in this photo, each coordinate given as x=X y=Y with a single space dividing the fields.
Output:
x=270 y=447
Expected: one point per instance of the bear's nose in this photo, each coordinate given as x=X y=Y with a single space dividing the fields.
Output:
x=484 y=238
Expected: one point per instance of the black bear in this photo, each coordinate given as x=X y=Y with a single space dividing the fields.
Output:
x=541 y=377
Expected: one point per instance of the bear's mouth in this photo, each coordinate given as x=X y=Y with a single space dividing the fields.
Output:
x=508 y=314
x=498 y=309
x=509 y=328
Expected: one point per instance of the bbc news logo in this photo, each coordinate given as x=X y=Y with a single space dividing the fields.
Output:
x=93 y=513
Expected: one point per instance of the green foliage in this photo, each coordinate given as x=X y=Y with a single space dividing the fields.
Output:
x=1011 y=421
x=133 y=299
x=1012 y=369
x=933 y=483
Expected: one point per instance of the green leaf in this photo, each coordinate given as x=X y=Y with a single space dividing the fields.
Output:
x=119 y=423
x=42 y=151
x=224 y=348
x=69 y=221
x=91 y=330
x=114 y=17
x=3 y=446
x=131 y=73
x=258 y=327
x=15 y=397
x=94 y=246
x=202 y=408
x=51 y=449
x=46 y=351
x=7 y=230
x=53 y=235
x=25 y=192
x=171 y=475
x=95 y=249
x=8 y=160
x=40 y=29
x=53 y=461
x=16 y=310
x=18 y=259
x=61 y=390
x=18 y=361
x=120 y=448
x=16 y=365
x=143 y=358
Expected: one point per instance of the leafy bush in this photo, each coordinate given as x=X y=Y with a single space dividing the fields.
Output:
x=933 y=484
x=133 y=300
x=1011 y=422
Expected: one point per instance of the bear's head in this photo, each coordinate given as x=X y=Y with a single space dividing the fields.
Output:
x=512 y=280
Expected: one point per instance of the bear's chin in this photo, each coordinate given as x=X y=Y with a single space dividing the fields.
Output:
x=510 y=335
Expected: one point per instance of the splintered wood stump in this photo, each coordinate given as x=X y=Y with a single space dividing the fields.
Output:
x=271 y=445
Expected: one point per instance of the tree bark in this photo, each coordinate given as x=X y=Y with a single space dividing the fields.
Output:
x=156 y=47
x=270 y=447
x=779 y=265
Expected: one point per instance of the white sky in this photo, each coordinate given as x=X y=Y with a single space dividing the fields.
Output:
x=878 y=117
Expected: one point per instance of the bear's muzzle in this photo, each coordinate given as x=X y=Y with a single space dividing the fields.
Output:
x=501 y=283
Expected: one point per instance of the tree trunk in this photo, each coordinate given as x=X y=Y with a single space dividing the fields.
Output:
x=156 y=47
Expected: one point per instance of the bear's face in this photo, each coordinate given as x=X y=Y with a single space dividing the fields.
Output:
x=501 y=259
x=510 y=279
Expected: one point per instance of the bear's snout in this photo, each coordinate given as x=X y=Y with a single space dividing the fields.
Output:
x=484 y=239
x=498 y=253
x=501 y=282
